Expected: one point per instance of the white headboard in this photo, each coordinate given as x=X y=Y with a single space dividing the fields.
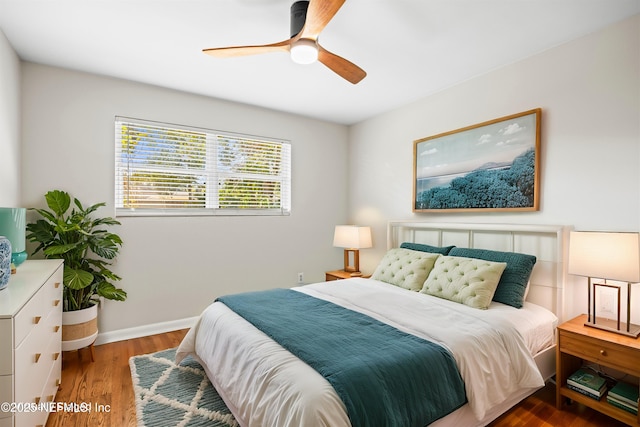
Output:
x=548 y=243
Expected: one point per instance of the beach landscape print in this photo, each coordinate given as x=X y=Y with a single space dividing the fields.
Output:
x=489 y=166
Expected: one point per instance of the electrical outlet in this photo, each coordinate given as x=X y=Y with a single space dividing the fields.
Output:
x=300 y=278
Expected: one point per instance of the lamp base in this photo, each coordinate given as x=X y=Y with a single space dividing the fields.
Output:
x=612 y=326
x=18 y=258
x=352 y=267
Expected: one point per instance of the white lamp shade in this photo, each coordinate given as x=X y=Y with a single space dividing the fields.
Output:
x=352 y=237
x=604 y=255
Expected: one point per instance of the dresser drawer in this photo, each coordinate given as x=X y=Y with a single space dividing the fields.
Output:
x=47 y=394
x=33 y=390
x=6 y=386
x=607 y=353
x=34 y=359
x=6 y=349
x=45 y=301
x=53 y=381
x=30 y=419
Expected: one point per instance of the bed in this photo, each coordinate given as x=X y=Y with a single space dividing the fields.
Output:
x=502 y=353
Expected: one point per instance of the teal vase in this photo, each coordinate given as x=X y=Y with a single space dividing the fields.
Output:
x=13 y=227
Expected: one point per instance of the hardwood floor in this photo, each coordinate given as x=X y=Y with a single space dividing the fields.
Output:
x=107 y=381
x=539 y=410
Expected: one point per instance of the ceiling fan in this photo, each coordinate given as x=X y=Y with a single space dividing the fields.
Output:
x=308 y=19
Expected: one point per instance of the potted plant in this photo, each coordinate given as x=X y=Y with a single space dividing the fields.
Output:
x=87 y=249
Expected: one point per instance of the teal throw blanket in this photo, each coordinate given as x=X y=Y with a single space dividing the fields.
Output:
x=385 y=377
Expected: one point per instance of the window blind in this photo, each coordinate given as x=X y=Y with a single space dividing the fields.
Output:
x=164 y=169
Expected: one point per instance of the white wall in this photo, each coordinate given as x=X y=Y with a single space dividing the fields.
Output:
x=174 y=267
x=9 y=125
x=588 y=89
x=589 y=92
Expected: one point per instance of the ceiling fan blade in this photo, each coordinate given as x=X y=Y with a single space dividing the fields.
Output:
x=345 y=69
x=227 y=52
x=319 y=13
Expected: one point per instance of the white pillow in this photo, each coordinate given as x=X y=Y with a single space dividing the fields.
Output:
x=468 y=281
x=405 y=268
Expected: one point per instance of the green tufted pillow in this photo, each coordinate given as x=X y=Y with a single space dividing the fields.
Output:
x=443 y=250
x=513 y=283
x=468 y=281
x=405 y=268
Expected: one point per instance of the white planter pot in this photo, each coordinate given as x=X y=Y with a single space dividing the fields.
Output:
x=79 y=328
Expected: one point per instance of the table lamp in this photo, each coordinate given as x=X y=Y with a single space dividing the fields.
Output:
x=13 y=227
x=606 y=256
x=352 y=238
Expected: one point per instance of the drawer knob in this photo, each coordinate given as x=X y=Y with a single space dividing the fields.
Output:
x=38 y=357
x=56 y=328
x=37 y=399
x=55 y=356
x=37 y=319
x=603 y=353
x=50 y=398
x=56 y=285
x=56 y=302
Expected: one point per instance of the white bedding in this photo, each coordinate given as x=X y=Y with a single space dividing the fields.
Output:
x=263 y=384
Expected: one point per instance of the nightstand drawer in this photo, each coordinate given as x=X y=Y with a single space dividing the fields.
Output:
x=607 y=353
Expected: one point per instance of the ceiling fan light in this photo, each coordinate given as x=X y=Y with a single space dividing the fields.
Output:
x=304 y=51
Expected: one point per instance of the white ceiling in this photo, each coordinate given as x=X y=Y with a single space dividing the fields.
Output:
x=409 y=48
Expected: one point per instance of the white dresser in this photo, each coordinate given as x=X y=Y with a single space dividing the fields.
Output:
x=30 y=340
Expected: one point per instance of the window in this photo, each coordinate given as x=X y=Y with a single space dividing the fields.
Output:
x=164 y=169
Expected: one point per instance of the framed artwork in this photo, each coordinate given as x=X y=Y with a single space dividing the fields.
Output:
x=490 y=166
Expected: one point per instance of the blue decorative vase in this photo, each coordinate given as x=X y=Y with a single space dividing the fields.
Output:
x=5 y=262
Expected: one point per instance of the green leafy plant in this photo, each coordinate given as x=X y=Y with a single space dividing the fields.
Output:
x=85 y=246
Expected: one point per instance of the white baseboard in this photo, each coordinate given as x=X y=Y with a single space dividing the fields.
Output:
x=145 y=330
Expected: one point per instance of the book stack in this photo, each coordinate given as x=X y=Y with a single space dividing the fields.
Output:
x=588 y=383
x=624 y=396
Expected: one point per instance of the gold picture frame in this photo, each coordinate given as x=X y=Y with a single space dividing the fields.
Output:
x=490 y=166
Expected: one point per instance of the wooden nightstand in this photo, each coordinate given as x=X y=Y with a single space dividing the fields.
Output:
x=341 y=274
x=577 y=344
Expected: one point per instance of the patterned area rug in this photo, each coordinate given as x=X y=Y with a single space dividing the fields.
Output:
x=170 y=395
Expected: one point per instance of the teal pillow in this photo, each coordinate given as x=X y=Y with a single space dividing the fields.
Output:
x=442 y=250
x=514 y=279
